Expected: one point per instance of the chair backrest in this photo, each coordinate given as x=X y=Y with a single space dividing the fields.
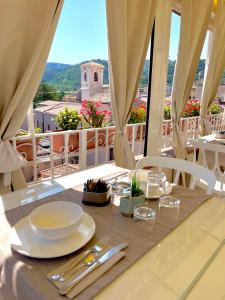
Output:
x=198 y=172
x=208 y=154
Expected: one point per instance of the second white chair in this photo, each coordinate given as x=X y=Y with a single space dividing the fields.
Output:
x=197 y=172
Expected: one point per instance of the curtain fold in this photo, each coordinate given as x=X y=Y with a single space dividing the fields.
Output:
x=159 y=75
x=26 y=32
x=195 y=16
x=216 y=65
x=130 y=24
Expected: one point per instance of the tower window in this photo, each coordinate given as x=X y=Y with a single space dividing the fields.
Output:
x=85 y=76
x=95 y=76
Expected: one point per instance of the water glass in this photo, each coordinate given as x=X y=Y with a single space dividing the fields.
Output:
x=144 y=212
x=120 y=189
x=169 y=201
x=156 y=185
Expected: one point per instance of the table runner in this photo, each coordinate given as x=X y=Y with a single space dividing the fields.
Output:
x=25 y=278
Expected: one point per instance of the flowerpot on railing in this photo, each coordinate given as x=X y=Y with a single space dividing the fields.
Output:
x=140 y=134
x=25 y=147
x=101 y=137
x=129 y=131
x=59 y=142
x=167 y=128
x=91 y=138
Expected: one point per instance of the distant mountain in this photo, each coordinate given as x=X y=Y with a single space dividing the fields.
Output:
x=67 y=77
x=52 y=70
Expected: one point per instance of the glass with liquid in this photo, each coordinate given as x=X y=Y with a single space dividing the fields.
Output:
x=156 y=185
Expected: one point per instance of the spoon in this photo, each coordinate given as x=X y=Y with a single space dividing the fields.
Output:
x=88 y=261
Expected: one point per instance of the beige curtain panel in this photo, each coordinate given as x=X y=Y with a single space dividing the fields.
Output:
x=216 y=65
x=159 y=75
x=26 y=32
x=129 y=28
x=194 y=23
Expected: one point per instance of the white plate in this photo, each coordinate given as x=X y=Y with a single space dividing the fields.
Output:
x=25 y=242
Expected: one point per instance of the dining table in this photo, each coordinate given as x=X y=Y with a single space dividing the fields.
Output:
x=187 y=263
x=210 y=138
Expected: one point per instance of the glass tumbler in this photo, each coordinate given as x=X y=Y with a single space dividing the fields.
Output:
x=119 y=189
x=156 y=185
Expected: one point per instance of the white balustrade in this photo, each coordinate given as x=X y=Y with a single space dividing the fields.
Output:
x=53 y=154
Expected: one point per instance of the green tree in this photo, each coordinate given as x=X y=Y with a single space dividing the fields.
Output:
x=47 y=92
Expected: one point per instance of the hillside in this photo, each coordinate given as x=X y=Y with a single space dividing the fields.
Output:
x=67 y=77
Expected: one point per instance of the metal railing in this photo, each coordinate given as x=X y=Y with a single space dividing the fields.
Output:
x=59 y=153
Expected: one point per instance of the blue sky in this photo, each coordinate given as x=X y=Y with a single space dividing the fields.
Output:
x=82 y=33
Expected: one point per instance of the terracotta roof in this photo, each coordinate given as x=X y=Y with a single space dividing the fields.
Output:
x=48 y=102
x=57 y=107
x=103 y=97
x=92 y=63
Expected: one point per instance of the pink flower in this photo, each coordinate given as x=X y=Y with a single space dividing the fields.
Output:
x=98 y=103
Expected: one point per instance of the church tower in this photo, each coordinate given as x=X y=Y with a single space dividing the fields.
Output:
x=91 y=79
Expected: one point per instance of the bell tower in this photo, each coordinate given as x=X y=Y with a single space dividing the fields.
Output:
x=91 y=79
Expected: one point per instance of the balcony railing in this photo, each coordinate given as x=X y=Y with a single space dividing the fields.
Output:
x=54 y=154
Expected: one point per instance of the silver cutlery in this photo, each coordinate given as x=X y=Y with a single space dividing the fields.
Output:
x=98 y=247
x=74 y=281
x=87 y=261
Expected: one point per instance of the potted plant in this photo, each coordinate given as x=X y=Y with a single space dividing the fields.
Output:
x=128 y=203
x=138 y=115
x=25 y=147
x=96 y=193
x=94 y=117
x=68 y=119
x=167 y=116
x=215 y=109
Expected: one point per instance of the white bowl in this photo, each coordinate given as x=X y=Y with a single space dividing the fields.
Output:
x=56 y=220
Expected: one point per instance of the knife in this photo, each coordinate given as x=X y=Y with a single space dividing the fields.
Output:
x=66 y=288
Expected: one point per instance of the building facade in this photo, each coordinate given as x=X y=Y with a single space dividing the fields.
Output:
x=91 y=79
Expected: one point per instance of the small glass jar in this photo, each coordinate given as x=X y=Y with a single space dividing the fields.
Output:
x=156 y=185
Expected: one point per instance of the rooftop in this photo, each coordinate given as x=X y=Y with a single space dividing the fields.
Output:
x=92 y=63
x=54 y=107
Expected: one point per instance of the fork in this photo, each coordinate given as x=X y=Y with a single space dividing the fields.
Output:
x=98 y=247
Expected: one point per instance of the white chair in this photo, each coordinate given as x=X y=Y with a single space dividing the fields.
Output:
x=197 y=172
x=212 y=156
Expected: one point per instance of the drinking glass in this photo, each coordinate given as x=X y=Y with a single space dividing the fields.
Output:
x=156 y=185
x=144 y=212
x=169 y=201
x=119 y=189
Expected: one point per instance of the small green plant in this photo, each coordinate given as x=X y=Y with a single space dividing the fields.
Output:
x=215 y=109
x=135 y=187
x=68 y=119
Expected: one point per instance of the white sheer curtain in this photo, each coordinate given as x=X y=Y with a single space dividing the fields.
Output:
x=129 y=28
x=26 y=32
x=195 y=16
x=159 y=75
x=216 y=65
